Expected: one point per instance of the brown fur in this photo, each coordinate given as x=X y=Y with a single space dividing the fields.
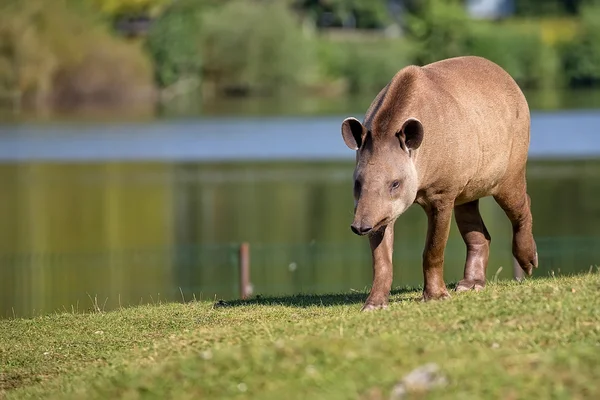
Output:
x=443 y=136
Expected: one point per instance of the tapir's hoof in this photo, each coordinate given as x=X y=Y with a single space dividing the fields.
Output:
x=443 y=295
x=527 y=262
x=373 y=307
x=466 y=285
x=528 y=268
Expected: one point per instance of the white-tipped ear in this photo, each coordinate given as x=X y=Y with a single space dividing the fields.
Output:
x=353 y=133
x=411 y=134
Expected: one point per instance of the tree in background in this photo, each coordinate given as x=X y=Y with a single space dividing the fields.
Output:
x=255 y=46
x=440 y=29
x=581 y=57
x=443 y=29
x=361 y=14
x=537 y=8
x=175 y=43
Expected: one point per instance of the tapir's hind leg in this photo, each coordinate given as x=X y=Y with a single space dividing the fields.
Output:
x=477 y=239
x=513 y=198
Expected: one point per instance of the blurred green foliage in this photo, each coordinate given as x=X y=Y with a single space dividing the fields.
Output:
x=442 y=29
x=59 y=51
x=365 y=64
x=537 y=8
x=530 y=61
x=175 y=43
x=581 y=57
x=254 y=46
x=123 y=7
x=52 y=50
x=546 y=7
x=362 y=14
x=439 y=28
x=240 y=52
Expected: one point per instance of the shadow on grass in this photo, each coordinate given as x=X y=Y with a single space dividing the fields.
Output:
x=308 y=300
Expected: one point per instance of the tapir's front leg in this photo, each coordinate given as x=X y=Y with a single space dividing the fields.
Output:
x=438 y=217
x=382 y=247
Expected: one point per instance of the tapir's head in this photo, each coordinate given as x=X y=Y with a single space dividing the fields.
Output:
x=385 y=178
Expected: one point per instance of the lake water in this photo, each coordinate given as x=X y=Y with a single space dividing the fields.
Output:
x=126 y=212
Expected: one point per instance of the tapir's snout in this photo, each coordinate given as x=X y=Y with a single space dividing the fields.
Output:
x=360 y=229
x=363 y=222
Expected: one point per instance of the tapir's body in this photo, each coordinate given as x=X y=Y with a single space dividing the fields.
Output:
x=477 y=123
x=443 y=135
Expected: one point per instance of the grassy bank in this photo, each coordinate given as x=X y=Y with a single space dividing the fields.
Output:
x=537 y=339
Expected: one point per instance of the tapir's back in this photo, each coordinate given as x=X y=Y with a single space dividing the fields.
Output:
x=479 y=89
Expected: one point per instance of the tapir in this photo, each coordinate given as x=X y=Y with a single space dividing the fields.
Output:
x=442 y=135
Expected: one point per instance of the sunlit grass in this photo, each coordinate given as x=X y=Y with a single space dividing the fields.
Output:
x=535 y=339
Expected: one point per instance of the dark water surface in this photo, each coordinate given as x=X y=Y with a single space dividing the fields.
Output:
x=124 y=213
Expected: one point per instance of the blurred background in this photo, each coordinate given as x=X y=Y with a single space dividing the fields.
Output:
x=142 y=141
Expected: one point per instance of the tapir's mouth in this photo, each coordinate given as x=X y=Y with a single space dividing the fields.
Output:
x=361 y=231
x=380 y=225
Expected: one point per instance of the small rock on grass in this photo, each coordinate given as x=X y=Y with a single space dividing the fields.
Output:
x=422 y=379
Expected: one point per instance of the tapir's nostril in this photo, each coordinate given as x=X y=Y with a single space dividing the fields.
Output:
x=361 y=230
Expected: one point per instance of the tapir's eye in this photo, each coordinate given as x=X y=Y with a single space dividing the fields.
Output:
x=357 y=186
x=395 y=185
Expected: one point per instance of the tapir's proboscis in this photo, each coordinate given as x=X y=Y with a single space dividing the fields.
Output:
x=443 y=136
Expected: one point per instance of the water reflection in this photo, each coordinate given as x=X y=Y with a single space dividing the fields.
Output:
x=147 y=231
x=98 y=225
x=290 y=104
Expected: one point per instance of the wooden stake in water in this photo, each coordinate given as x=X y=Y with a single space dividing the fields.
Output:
x=245 y=287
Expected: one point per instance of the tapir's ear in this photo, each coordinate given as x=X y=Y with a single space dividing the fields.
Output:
x=411 y=134
x=353 y=133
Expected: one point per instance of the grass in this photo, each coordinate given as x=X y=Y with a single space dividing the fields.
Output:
x=535 y=339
